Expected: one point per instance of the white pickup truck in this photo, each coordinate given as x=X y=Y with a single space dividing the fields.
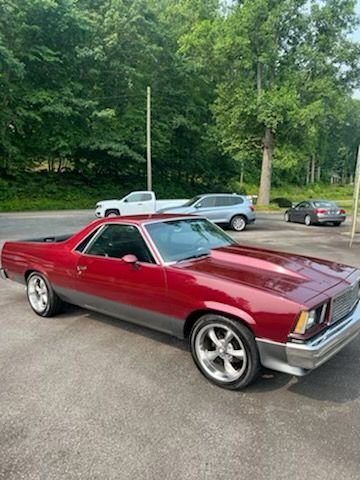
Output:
x=134 y=203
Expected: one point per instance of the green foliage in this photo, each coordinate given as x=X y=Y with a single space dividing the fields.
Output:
x=73 y=78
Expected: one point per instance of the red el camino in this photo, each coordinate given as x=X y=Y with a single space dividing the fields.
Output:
x=240 y=307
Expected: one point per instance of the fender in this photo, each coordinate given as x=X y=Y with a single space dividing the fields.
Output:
x=230 y=310
x=222 y=308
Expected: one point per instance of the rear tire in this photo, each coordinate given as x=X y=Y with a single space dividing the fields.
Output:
x=336 y=224
x=112 y=213
x=41 y=296
x=225 y=351
x=238 y=223
x=307 y=220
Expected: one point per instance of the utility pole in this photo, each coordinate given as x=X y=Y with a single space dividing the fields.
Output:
x=356 y=198
x=148 y=139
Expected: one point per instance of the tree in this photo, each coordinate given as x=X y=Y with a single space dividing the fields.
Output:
x=281 y=66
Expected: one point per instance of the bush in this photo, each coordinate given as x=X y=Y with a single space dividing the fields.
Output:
x=282 y=202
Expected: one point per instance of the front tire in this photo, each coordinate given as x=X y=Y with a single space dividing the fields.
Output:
x=225 y=351
x=41 y=296
x=238 y=223
x=286 y=217
x=112 y=213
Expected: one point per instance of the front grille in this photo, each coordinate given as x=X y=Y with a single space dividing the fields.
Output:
x=344 y=303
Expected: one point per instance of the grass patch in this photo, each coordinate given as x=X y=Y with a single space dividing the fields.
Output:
x=44 y=191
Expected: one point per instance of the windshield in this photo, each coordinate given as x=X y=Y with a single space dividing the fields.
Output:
x=325 y=204
x=192 y=201
x=183 y=239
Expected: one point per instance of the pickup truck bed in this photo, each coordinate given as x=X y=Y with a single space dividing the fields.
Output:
x=49 y=239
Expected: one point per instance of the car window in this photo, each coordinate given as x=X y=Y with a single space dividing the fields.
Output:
x=116 y=241
x=81 y=247
x=178 y=240
x=206 y=202
x=236 y=200
x=223 y=201
x=303 y=205
x=139 y=197
x=192 y=201
x=145 y=197
x=325 y=204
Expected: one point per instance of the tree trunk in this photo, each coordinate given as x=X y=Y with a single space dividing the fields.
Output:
x=308 y=166
x=318 y=176
x=265 y=181
x=312 y=179
x=241 y=173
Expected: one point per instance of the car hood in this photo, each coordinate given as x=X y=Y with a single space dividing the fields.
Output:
x=108 y=201
x=292 y=276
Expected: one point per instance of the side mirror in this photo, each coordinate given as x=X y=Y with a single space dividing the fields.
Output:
x=198 y=205
x=130 y=258
x=126 y=200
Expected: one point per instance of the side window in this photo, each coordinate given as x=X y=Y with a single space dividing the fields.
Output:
x=223 y=201
x=135 y=197
x=237 y=200
x=302 y=205
x=146 y=197
x=207 y=202
x=81 y=247
x=116 y=241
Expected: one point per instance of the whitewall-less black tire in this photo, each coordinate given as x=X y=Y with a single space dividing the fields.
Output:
x=112 y=213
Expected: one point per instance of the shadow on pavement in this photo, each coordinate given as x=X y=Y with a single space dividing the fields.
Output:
x=336 y=381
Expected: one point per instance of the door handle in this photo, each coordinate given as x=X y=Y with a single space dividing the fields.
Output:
x=81 y=268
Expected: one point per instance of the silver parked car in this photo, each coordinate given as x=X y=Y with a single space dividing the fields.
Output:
x=233 y=210
x=316 y=211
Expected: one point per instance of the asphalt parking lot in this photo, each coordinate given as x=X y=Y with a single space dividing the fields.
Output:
x=83 y=396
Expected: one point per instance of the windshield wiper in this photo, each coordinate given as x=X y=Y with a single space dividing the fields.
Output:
x=196 y=255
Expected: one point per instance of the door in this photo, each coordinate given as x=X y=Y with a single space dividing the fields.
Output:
x=110 y=280
x=226 y=207
x=300 y=211
x=139 y=203
x=205 y=207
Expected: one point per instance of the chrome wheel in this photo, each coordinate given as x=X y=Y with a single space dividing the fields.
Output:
x=307 y=220
x=220 y=352
x=238 y=223
x=42 y=298
x=286 y=217
x=38 y=294
x=225 y=351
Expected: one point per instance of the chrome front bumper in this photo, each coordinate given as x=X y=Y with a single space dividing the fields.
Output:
x=300 y=358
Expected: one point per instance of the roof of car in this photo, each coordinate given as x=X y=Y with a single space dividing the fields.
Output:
x=311 y=200
x=141 y=219
x=222 y=194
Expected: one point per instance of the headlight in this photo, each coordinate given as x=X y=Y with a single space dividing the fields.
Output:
x=309 y=318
